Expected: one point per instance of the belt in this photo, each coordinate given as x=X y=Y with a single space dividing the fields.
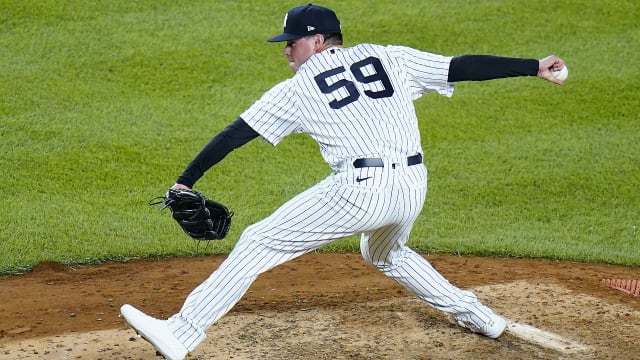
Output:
x=377 y=162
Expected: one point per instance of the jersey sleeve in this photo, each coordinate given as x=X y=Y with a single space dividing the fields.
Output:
x=426 y=72
x=274 y=115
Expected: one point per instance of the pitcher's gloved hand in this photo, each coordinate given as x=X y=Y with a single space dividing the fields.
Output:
x=199 y=217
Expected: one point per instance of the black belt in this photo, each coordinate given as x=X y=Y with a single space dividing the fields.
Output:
x=377 y=162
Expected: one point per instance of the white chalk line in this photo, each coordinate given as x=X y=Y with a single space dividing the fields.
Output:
x=545 y=339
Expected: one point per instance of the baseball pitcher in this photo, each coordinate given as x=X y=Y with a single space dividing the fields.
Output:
x=358 y=104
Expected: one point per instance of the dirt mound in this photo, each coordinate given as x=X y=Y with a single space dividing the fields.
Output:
x=320 y=306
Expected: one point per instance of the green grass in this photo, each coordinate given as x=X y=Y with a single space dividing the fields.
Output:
x=102 y=104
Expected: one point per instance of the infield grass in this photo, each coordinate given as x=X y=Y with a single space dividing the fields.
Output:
x=103 y=103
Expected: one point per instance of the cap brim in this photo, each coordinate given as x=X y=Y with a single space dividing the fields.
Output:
x=284 y=37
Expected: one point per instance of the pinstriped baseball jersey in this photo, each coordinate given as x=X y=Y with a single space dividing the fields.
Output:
x=355 y=102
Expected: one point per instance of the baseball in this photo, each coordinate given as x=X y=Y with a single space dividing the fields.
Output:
x=561 y=74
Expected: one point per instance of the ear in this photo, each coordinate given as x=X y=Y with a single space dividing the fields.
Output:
x=318 y=42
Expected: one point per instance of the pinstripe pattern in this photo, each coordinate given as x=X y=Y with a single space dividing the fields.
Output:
x=386 y=127
x=382 y=208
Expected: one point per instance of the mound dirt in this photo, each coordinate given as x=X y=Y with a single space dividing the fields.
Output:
x=319 y=306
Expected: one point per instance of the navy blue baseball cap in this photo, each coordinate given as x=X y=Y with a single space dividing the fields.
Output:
x=308 y=20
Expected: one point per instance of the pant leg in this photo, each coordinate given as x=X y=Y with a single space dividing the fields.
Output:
x=385 y=248
x=316 y=217
x=415 y=273
x=213 y=298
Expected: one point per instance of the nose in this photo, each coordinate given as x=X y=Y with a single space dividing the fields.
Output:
x=287 y=50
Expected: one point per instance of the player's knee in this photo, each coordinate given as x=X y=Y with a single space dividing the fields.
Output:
x=366 y=255
x=375 y=261
x=382 y=261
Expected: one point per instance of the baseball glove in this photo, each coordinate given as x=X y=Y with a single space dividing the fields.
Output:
x=199 y=217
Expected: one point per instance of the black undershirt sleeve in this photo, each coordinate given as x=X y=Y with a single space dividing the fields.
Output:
x=488 y=67
x=232 y=137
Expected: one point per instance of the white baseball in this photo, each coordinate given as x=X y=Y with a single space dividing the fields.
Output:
x=561 y=74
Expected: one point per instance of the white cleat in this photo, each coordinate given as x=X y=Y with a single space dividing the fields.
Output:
x=155 y=332
x=493 y=329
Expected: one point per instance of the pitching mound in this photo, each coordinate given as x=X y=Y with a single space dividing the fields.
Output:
x=322 y=306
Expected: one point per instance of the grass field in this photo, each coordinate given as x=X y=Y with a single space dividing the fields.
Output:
x=103 y=103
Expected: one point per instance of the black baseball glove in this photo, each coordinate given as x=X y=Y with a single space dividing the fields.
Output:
x=199 y=217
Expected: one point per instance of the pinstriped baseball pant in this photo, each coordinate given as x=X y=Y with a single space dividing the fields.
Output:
x=382 y=207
